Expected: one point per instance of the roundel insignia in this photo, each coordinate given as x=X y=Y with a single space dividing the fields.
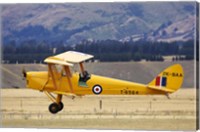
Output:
x=97 y=89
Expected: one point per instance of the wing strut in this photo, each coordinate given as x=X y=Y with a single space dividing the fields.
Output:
x=52 y=98
x=52 y=75
x=69 y=75
x=82 y=68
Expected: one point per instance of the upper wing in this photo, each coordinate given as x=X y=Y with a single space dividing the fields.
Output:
x=57 y=61
x=68 y=58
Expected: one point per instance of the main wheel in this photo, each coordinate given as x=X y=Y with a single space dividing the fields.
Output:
x=61 y=105
x=54 y=108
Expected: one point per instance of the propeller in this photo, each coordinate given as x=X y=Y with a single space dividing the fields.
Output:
x=24 y=72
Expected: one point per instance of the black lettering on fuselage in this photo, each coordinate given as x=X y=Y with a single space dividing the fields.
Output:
x=129 y=92
x=173 y=74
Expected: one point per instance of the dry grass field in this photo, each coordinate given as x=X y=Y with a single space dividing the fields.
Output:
x=28 y=108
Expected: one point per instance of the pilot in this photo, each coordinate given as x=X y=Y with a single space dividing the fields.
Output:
x=84 y=76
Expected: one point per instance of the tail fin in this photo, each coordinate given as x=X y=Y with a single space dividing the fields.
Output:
x=168 y=80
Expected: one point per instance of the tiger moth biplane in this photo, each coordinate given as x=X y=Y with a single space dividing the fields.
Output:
x=64 y=81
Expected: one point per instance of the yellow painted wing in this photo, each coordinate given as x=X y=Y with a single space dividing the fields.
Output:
x=68 y=58
x=54 y=60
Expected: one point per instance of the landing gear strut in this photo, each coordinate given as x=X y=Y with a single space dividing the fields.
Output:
x=57 y=104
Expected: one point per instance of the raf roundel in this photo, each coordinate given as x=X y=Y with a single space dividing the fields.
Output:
x=97 y=89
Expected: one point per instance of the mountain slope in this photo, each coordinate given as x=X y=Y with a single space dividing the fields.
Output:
x=73 y=22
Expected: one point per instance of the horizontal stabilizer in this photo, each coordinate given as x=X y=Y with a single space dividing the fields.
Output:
x=164 y=89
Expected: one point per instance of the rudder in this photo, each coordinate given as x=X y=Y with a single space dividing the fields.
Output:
x=171 y=78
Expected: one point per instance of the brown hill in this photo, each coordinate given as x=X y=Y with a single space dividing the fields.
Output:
x=73 y=22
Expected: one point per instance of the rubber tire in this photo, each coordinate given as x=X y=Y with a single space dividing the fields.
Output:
x=61 y=106
x=54 y=108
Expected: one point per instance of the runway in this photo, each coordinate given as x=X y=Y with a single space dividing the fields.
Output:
x=28 y=108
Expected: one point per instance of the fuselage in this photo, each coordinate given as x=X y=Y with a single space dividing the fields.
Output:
x=94 y=85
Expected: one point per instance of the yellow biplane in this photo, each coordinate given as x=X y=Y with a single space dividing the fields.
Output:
x=62 y=81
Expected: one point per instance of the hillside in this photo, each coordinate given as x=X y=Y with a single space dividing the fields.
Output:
x=141 y=72
x=72 y=22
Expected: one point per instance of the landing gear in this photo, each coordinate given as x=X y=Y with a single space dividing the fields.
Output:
x=57 y=104
x=61 y=105
x=54 y=107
